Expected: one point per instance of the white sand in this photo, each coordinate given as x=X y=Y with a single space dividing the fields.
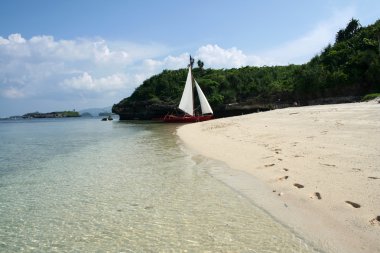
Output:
x=331 y=150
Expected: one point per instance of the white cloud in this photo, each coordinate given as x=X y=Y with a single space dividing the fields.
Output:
x=87 y=82
x=215 y=56
x=46 y=47
x=16 y=38
x=169 y=62
x=104 y=55
x=14 y=46
x=40 y=65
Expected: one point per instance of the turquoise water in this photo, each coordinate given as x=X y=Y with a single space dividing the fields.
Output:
x=83 y=185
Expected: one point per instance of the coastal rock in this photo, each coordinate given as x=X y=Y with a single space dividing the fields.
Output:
x=146 y=110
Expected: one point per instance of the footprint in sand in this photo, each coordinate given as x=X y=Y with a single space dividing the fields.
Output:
x=328 y=165
x=283 y=178
x=318 y=195
x=375 y=221
x=353 y=204
x=373 y=177
x=298 y=185
x=269 y=165
x=285 y=169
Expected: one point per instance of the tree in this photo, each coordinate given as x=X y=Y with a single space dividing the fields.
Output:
x=344 y=34
x=352 y=27
x=200 y=64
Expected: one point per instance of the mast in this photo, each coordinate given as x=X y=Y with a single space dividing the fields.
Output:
x=192 y=81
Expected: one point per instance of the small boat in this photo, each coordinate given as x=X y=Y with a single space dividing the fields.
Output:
x=186 y=104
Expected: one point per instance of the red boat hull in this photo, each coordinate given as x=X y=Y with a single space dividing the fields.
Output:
x=186 y=118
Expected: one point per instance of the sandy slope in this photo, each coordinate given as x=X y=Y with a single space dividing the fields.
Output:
x=320 y=168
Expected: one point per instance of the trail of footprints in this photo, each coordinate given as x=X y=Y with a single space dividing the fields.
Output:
x=317 y=195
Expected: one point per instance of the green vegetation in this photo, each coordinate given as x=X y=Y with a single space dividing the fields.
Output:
x=370 y=96
x=69 y=114
x=63 y=114
x=349 y=67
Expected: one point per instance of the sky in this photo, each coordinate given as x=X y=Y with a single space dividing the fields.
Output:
x=79 y=54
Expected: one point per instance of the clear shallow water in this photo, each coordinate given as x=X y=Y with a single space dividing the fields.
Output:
x=70 y=185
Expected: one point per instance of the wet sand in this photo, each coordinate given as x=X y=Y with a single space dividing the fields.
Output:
x=316 y=169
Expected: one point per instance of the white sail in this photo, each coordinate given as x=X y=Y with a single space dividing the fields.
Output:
x=186 y=104
x=205 y=106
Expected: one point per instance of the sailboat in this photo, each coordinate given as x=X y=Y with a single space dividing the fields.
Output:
x=186 y=104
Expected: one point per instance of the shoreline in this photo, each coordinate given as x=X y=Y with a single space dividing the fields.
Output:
x=317 y=168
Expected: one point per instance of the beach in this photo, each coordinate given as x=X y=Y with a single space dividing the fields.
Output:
x=316 y=169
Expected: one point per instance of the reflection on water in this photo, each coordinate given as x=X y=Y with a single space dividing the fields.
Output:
x=86 y=185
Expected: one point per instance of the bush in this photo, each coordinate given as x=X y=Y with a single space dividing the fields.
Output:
x=370 y=96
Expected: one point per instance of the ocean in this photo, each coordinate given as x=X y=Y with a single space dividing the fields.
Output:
x=85 y=185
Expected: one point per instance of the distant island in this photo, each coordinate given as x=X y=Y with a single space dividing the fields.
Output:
x=38 y=115
x=91 y=112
